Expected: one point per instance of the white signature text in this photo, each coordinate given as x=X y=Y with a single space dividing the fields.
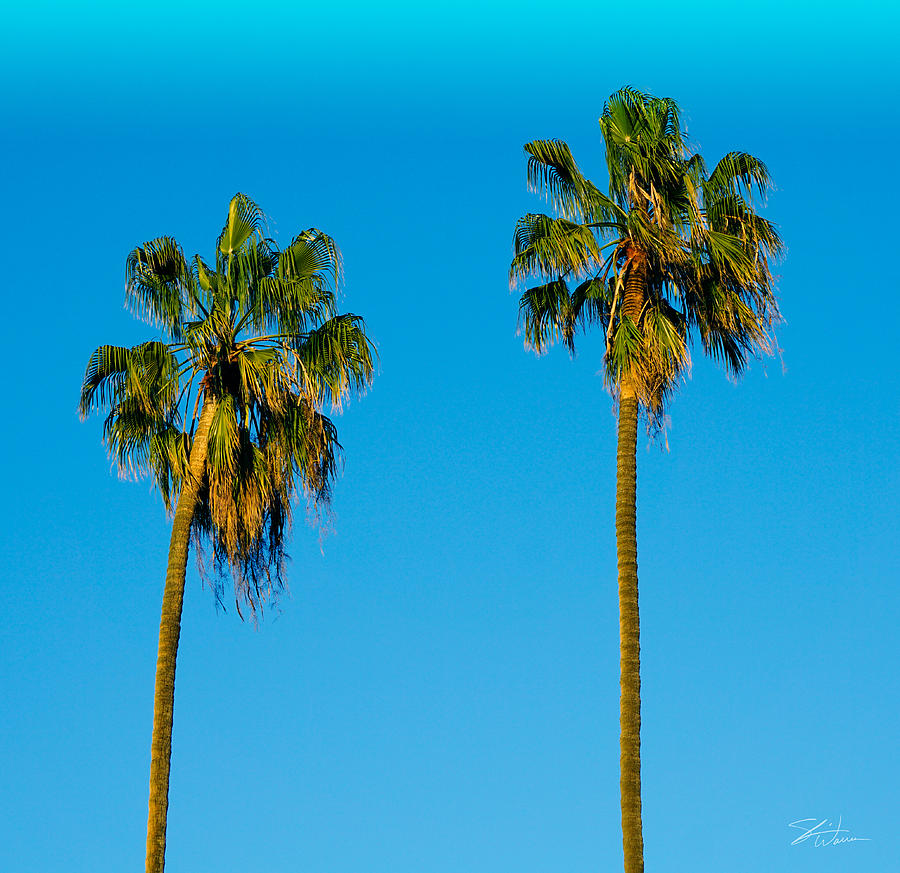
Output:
x=823 y=832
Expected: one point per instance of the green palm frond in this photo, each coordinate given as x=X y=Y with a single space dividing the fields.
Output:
x=545 y=315
x=224 y=438
x=644 y=146
x=550 y=247
x=650 y=356
x=264 y=376
x=623 y=356
x=128 y=430
x=727 y=254
x=207 y=278
x=157 y=280
x=337 y=357
x=549 y=312
x=552 y=171
x=201 y=338
x=307 y=441
x=168 y=460
x=290 y=306
x=245 y=220
x=312 y=253
x=247 y=267
x=133 y=432
x=665 y=352
x=104 y=379
x=592 y=302
x=730 y=330
x=740 y=174
x=294 y=289
x=146 y=374
x=245 y=514
x=730 y=213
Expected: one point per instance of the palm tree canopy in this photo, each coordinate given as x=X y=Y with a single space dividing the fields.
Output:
x=256 y=335
x=692 y=236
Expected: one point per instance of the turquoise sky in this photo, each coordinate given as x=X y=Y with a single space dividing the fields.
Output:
x=440 y=691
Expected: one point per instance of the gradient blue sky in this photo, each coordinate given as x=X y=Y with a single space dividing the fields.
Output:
x=440 y=691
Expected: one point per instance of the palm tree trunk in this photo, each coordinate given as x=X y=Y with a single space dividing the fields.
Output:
x=629 y=619
x=629 y=635
x=169 y=632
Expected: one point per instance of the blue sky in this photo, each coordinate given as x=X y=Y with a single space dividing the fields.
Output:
x=440 y=690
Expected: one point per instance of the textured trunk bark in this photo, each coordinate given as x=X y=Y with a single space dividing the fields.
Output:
x=169 y=632
x=629 y=635
x=629 y=618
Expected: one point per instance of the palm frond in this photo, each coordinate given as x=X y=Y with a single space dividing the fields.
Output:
x=312 y=253
x=727 y=254
x=224 y=439
x=545 y=315
x=623 y=356
x=247 y=267
x=550 y=248
x=337 y=357
x=592 y=302
x=738 y=174
x=307 y=441
x=644 y=146
x=146 y=373
x=157 y=280
x=552 y=171
x=291 y=306
x=103 y=379
x=245 y=220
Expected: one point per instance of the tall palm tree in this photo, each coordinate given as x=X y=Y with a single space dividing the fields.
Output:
x=671 y=254
x=225 y=415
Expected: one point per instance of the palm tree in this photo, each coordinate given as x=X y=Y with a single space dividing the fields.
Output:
x=225 y=415
x=671 y=254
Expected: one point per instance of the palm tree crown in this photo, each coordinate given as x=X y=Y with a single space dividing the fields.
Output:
x=253 y=339
x=670 y=253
